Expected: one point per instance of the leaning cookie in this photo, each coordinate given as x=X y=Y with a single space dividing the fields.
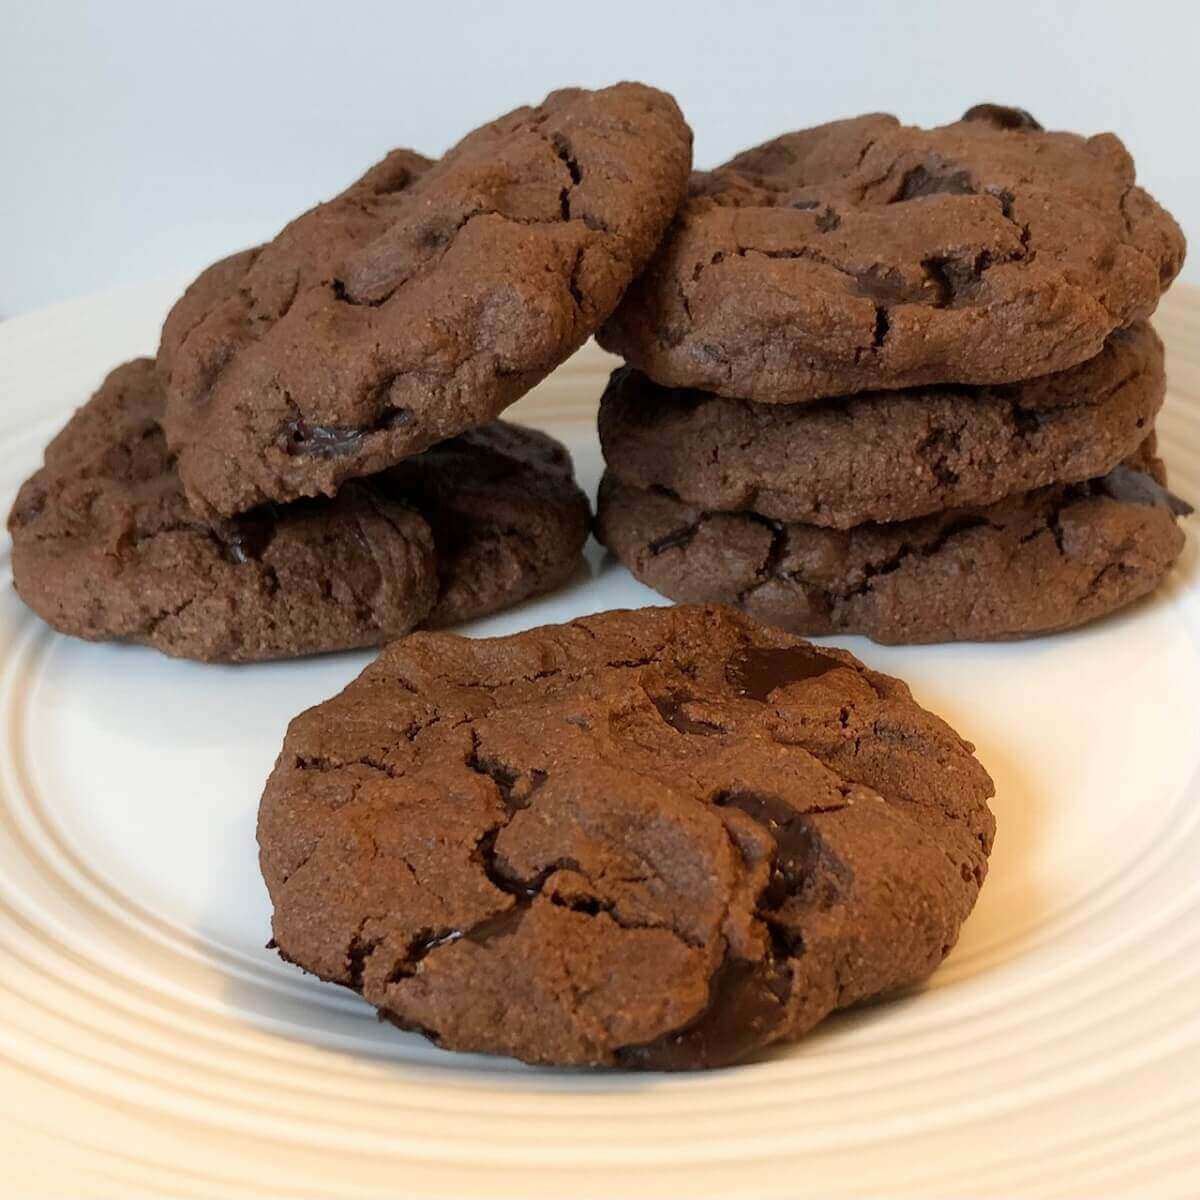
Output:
x=1039 y=562
x=719 y=835
x=864 y=254
x=106 y=547
x=885 y=456
x=420 y=302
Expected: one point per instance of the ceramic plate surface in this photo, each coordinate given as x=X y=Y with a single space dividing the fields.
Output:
x=150 y=1045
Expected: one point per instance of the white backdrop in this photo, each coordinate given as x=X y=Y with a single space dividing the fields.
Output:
x=142 y=139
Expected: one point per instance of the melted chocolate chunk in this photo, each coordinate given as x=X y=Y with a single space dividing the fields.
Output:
x=1002 y=116
x=756 y=672
x=421 y=948
x=670 y=708
x=486 y=852
x=498 y=924
x=332 y=441
x=321 y=441
x=677 y=537
x=921 y=181
x=1136 y=487
x=796 y=846
x=746 y=1002
x=245 y=538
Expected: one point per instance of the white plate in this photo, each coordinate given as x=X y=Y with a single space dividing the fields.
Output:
x=149 y=1044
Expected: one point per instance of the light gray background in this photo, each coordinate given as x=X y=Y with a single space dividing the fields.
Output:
x=138 y=140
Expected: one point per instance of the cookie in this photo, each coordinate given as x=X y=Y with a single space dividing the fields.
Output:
x=865 y=255
x=420 y=302
x=663 y=839
x=106 y=547
x=1038 y=562
x=885 y=456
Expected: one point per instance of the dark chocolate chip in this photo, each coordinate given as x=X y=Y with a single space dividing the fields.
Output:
x=796 y=846
x=746 y=1002
x=332 y=441
x=1136 y=487
x=756 y=672
x=1002 y=116
x=921 y=181
x=677 y=537
x=244 y=539
x=670 y=708
x=321 y=441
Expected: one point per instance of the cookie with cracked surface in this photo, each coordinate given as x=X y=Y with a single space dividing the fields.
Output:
x=865 y=254
x=1038 y=562
x=420 y=302
x=885 y=456
x=718 y=835
x=106 y=547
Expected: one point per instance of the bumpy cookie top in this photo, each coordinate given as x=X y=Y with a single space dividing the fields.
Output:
x=885 y=456
x=869 y=254
x=660 y=838
x=421 y=301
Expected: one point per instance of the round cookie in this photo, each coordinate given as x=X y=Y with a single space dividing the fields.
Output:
x=106 y=547
x=1038 y=562
x=654 y=839
x=865 y=255
x=886 y=456
x=420 y=302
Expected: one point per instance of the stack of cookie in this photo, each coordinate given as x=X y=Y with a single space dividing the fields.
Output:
x=899 y=382
x=313 y=462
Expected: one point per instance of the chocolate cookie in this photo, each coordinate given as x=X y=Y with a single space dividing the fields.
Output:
x=421 y=301
x=865 y=254
x=885 y=456
x=106 y=547
x=1037 y=562
x=658 y=839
